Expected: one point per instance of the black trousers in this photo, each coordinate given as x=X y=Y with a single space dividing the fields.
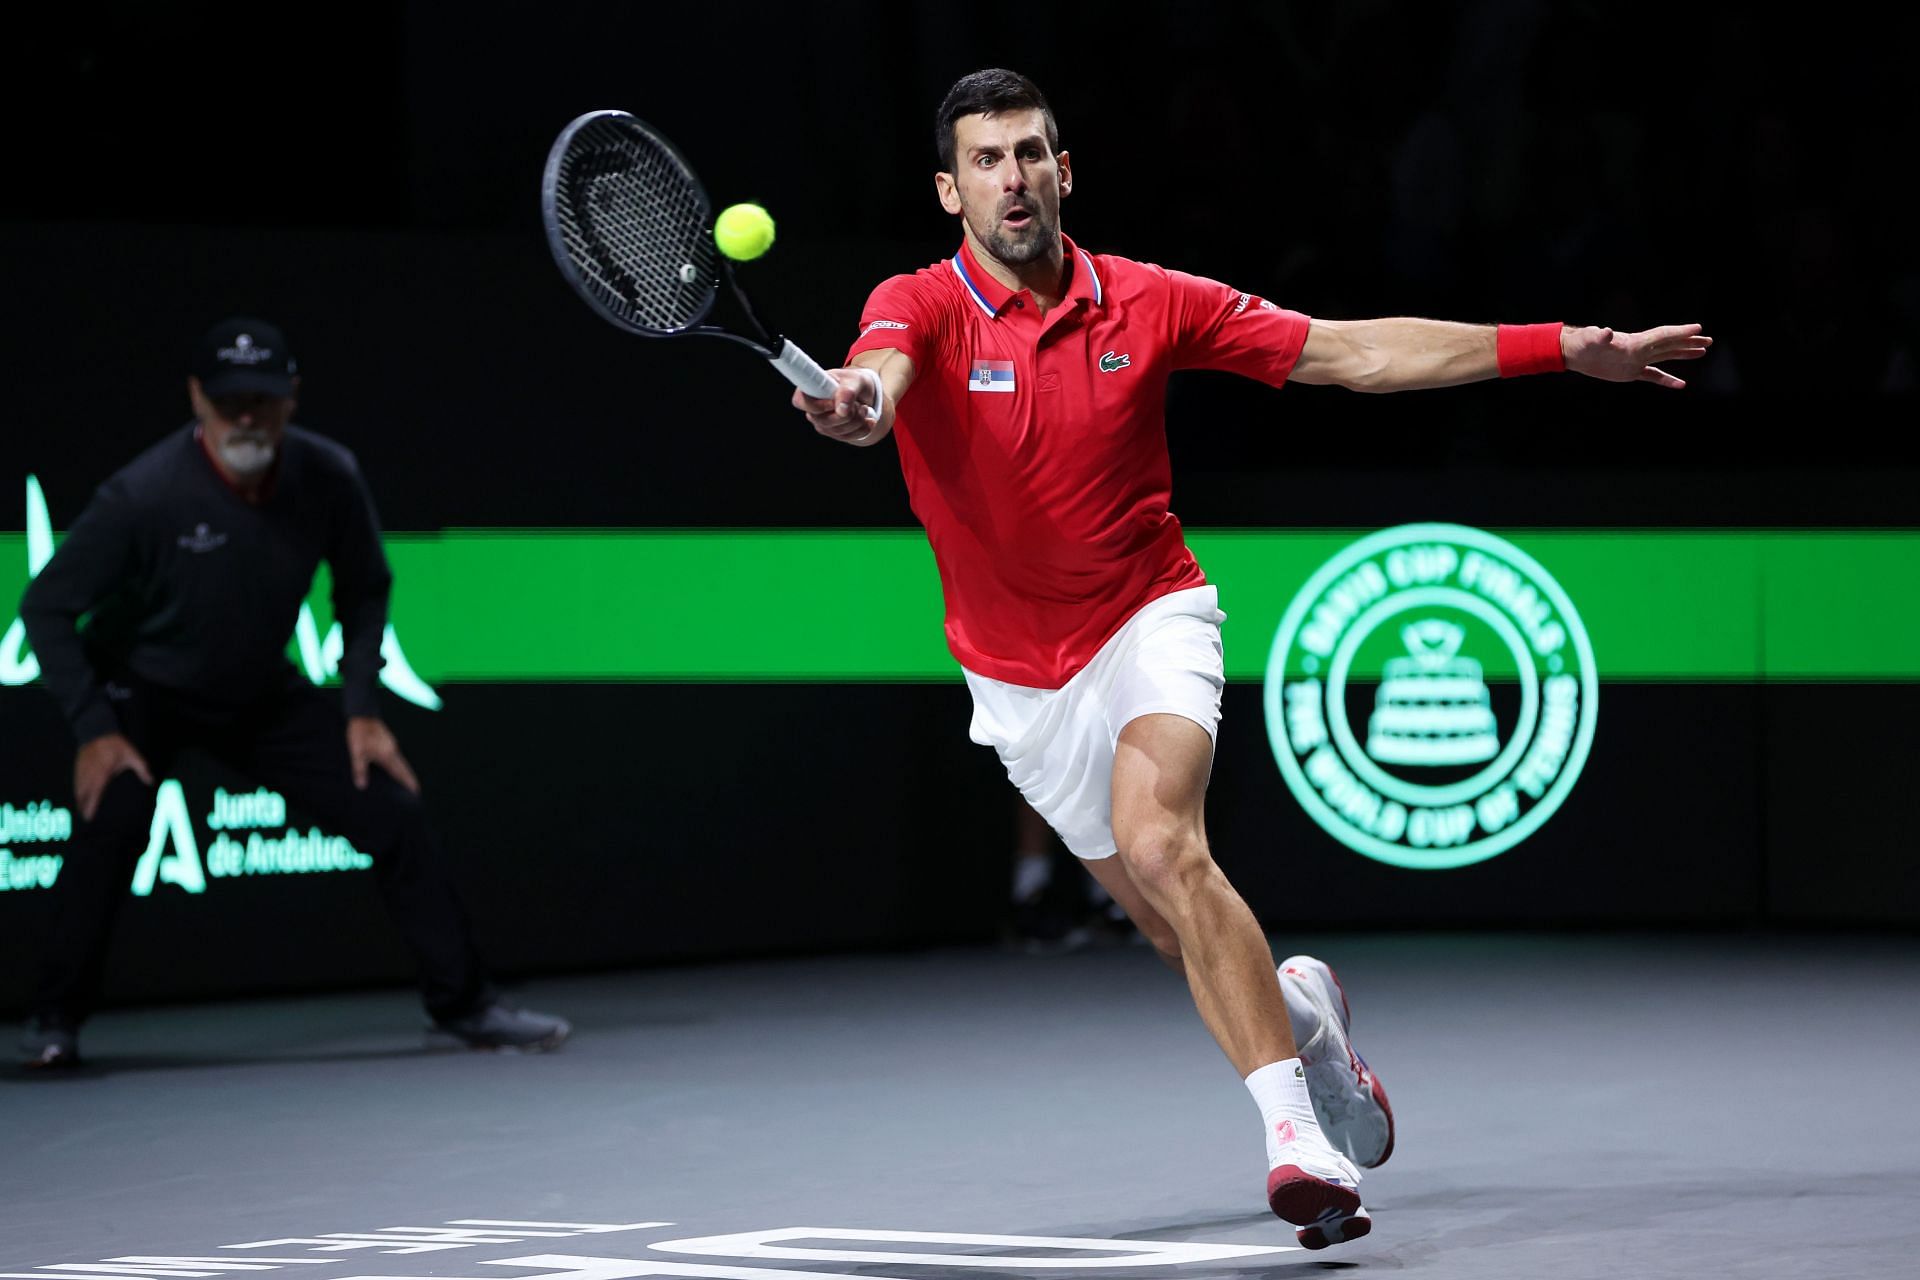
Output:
x=294 y=742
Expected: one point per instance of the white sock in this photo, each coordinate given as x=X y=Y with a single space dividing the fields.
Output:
x=1304 y=1016
x=1279 y=1089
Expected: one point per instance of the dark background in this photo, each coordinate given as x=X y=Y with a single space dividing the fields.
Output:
x=367 y=175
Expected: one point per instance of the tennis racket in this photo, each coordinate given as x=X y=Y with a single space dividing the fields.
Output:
x=632 y=231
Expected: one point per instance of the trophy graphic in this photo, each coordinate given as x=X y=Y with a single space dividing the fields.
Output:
x=1433 y=708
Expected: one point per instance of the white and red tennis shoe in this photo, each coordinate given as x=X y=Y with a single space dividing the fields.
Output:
x=1347 y=1097
x=1313 y=1186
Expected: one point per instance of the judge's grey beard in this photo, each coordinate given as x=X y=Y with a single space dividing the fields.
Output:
x=247 y=457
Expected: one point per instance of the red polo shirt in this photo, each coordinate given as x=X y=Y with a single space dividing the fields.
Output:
x=1035 y=449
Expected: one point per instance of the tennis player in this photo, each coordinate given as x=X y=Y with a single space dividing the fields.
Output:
x=1025 y=379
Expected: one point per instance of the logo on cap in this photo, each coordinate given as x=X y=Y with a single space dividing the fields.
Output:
x=244 y=352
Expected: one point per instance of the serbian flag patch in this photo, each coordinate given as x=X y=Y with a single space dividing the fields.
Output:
x=991 y=375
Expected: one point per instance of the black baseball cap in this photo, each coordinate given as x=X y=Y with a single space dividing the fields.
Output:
x=243 y=354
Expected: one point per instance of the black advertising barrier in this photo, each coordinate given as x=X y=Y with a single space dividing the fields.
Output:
x=1427 y=725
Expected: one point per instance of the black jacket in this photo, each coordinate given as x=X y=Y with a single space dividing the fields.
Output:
x=194 y=589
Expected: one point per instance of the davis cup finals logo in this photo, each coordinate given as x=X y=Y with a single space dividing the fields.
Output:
x=1431 y=696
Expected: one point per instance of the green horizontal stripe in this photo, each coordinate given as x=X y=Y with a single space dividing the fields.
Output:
x=1658 y=604
x=667 y=605
x=726 y=605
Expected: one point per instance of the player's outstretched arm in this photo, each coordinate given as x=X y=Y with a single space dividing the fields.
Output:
x=1404 y=354
x=861 y=411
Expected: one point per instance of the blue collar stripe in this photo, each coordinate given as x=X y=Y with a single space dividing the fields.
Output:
x=972 y=288
x=1092 y=274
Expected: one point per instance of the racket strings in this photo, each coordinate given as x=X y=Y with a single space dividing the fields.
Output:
x=634 y=223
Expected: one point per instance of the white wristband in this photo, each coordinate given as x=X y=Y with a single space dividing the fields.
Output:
x=879 y=394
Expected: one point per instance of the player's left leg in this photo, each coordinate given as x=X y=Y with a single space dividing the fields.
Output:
x=1348 y=1098
x=1160 y=770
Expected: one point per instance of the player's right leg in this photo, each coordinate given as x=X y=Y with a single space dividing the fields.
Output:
x=1111 y=875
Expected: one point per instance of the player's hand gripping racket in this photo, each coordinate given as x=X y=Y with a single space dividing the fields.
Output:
x=632 y=230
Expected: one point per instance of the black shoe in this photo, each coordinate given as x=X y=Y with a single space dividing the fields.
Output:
x=49 y=1044
x=501 y=1027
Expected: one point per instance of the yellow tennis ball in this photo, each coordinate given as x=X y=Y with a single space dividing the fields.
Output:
x=743 y=231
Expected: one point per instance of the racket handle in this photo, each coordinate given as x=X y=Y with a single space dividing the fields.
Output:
x=798 y=368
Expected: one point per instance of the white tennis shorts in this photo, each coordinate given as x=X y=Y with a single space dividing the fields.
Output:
x=1057 y=744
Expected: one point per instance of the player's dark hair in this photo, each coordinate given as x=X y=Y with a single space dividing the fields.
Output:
x=992 y=92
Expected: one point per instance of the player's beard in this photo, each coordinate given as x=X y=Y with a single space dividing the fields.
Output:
x=1037 y=241
x=247 y=456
